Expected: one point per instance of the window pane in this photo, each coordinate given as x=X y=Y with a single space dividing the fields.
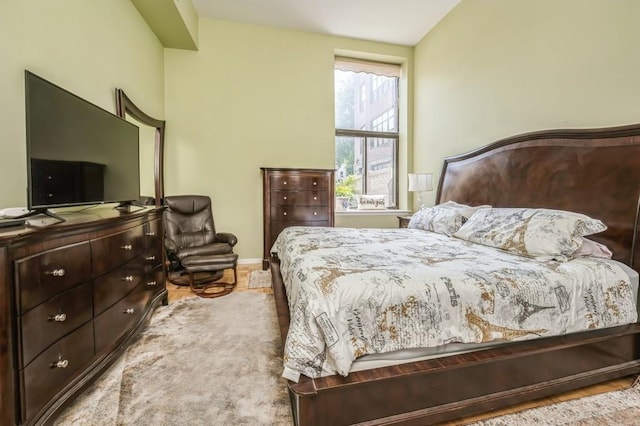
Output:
x=381 y=160
x=361 y=98
x=348 y=170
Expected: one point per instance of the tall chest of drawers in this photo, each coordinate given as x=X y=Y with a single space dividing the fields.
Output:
x=72 y=297
x=295 y=197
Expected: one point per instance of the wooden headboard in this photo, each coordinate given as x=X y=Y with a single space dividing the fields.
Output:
x=590 y=171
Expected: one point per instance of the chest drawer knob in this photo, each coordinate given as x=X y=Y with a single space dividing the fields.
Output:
x=315 y=198
x=315 y=183
x=285 y=213
x=150 y=258
x=129 y=311
x=128 y=278
x=61 y=363
x=285 y=182
x=58 y=317
x=127 y=247
x=58 y=272
x=151 y=283
x=315 y=213
x=284 y=198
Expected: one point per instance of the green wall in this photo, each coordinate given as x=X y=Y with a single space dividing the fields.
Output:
x=252 y=97
x=86 y=47
x=495 y=68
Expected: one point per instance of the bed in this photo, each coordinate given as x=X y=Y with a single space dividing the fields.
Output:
x=595 y=172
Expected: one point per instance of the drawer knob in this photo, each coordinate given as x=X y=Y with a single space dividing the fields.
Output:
x=285 y=182
x=315 y=198
x=315 y=213
x=285 y=197
x=58 y=317
x=61 y=363
x=129 y=311
x=150 y=258
x=151 y=234
x=128 y=278
x=127 y=247
x=151 y=283
x=285 y=213
x=315 y=183
x=58 y=272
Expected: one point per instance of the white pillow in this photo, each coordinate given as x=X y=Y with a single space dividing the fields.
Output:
x=444 y=218
x=539 y=233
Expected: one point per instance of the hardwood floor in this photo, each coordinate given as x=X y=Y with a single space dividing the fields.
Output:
x=177 y=292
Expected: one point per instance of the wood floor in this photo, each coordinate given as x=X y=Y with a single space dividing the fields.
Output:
x=178 y=292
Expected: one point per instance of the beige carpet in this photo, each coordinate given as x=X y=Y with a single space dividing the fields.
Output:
x=218 y=362
x=259 y=279
x=199 y=362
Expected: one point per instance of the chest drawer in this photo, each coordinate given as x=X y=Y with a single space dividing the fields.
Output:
x=299 y=198
x=51 y=272
x=51 y=371
x=299 y=213
x=293 y=182
x=115 y=250
x=111 y=287
x=51 y=320
x=120 y=318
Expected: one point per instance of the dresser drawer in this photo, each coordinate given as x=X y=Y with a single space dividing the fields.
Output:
x=299 y=213
x=49 y=321
x=300 y=198
x=298 y=181
x=119 y=319
x=154 y=280
x=111 y=287
x=51 y=272
x=52 y=370
x=153 y=234
x=114 y=250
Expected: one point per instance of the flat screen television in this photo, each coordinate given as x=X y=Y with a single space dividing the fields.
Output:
x=77 y=152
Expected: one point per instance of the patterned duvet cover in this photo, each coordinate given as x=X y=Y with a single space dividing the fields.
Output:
x=353 y=292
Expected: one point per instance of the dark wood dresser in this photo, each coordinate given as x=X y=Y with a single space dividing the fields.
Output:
x=295 y=197
x=72 y=297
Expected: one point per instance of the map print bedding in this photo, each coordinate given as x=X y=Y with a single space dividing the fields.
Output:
x=353 y=292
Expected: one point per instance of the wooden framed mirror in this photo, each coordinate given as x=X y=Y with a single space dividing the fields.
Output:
x=126 y=109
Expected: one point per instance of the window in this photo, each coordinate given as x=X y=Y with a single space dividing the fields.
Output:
x=366 y=115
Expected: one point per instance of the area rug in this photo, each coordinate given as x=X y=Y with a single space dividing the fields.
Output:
x=198 y=362
x=259 y=279
x=611 y=408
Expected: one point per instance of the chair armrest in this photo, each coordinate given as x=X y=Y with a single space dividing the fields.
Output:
x=225 y=237
x=170 y=245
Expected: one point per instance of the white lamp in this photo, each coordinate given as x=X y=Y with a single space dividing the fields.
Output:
x=421 y=182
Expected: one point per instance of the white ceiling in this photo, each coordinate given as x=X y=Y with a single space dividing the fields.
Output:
x=402 y=22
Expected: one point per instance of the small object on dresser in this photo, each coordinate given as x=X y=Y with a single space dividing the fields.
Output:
x=11 y=222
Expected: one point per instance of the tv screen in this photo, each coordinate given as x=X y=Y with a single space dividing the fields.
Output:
x=77 y=152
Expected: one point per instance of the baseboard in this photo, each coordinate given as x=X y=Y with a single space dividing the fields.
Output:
x=250 y=261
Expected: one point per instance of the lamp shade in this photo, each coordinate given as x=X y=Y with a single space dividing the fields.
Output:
x=419 y=182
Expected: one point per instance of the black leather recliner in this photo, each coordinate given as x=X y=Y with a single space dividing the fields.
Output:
x=197 y=254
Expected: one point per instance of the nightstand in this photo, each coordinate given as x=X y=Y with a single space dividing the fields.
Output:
x=403 y=221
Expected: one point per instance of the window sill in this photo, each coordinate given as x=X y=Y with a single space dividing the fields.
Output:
x=356 y=212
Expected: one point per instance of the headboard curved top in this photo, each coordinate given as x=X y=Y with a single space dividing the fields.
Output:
x=591 y=171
